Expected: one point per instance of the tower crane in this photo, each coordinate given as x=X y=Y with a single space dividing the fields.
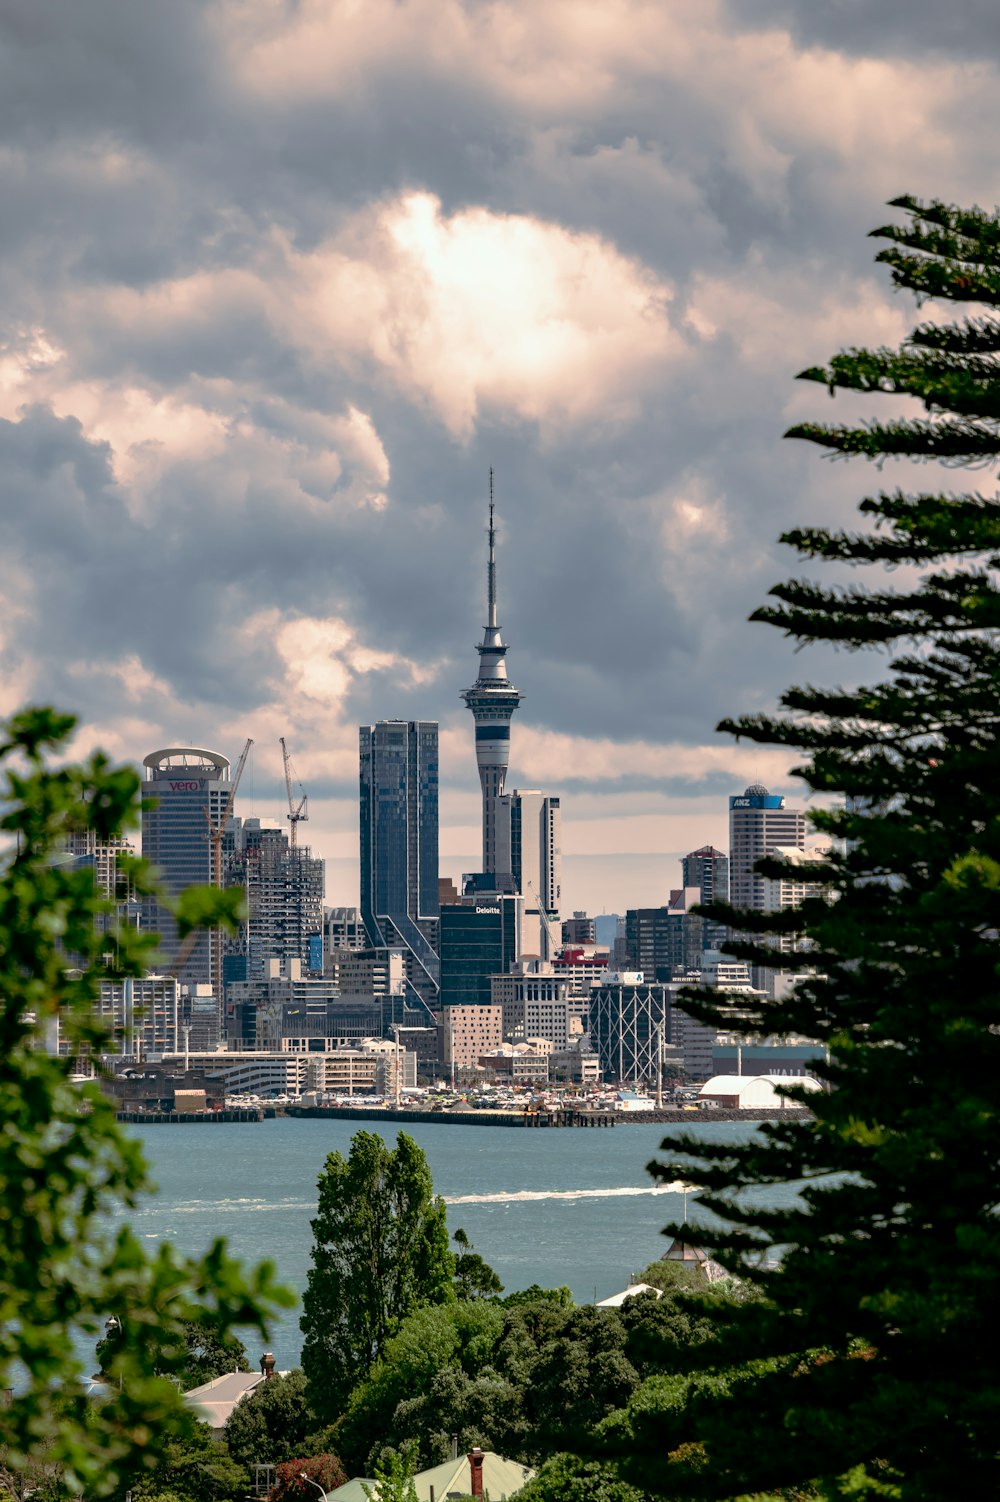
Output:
x=216 y=832
x=298 y=813
x=554 y=940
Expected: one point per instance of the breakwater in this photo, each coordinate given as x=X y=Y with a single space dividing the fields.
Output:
x=667 y=1116
x=532 y=1119
x=674 y=1117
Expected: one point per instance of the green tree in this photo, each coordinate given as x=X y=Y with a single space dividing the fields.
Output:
x=399 y=1403
x=867 y=1367
x=65 y=1164
x=208 y=1352
x=563 y=1476
x=272 y=1423
x=474 y=1278
x=380 y=1251
x=579 y=1376
x=393 y=1480
x=194 y=1470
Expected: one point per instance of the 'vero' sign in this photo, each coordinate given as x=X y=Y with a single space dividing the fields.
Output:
x=185 y=787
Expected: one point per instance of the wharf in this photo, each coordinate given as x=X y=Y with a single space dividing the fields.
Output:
x=533 y=1119
x=193 y=1118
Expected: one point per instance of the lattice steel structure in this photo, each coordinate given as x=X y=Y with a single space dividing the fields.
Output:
x=630 y=1029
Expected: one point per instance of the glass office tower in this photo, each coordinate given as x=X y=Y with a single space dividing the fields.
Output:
x=399 y=844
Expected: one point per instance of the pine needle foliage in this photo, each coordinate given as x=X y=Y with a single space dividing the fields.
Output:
x=867 y=1368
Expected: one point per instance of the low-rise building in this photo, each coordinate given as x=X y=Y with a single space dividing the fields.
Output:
x=467 y=1032
x=742 y=1092
x=516 y=1062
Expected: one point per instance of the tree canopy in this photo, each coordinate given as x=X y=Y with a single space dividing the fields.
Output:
x=380 y=1251
x=866 y=1367
x=65 y=1164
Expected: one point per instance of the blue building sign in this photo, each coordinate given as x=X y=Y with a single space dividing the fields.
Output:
x=757 y=800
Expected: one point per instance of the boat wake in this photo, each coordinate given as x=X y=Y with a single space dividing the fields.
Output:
x=522 y=1196
x=500 y=1197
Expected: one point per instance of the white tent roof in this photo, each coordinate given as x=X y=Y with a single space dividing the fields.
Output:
x=617 y=1299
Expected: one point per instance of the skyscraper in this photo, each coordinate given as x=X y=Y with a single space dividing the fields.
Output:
x=184 y=788
x=534 y=860
x=759 y=823
x=399 y=843
x=493 y=700
x=708 y=870
x=284 y=889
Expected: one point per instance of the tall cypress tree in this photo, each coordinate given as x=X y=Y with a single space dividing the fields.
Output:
x=380 y=1251
x=868 y=1368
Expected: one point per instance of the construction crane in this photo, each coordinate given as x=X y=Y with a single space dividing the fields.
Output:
x=298 y=813
x=555 y=940
x=216 y=832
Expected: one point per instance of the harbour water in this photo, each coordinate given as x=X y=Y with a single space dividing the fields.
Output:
x=572 y=1207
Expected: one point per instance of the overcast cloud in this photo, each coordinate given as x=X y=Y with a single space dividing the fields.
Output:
x=279 y=281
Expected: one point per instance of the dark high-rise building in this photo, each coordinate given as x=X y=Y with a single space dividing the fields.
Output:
x=708 y=870
x=184 y=787
x=664 y=941
x=493 y=700
x=480 y=938
x=399 y=844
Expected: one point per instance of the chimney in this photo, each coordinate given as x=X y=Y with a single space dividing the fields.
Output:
x=454 y=1447
x=476 y=1467
x=267 y=1365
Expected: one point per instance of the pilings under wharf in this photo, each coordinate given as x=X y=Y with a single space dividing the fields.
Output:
x=534 y=1119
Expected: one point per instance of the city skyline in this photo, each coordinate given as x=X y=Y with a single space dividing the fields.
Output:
x=281 y=284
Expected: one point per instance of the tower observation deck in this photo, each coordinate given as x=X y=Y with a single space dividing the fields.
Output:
x=493 y=700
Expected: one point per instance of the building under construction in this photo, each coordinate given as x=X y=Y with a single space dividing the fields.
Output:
x=284 y=893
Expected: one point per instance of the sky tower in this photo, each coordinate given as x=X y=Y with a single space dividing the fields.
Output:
x=492 y=699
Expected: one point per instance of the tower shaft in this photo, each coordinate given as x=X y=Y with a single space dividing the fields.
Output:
x=492 y=700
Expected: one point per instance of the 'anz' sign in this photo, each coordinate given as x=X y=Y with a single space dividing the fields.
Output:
x=193 y=786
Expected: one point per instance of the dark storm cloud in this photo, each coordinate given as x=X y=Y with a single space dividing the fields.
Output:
x=883 y=28
x=154 y=205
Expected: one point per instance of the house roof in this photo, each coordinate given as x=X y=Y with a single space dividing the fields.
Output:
x=617 y=1299
x=214 y=1401
x=501 y=1479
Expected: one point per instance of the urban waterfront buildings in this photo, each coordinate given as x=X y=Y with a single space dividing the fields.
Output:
x=399 y=845
x=493 y=700
x=184 y=790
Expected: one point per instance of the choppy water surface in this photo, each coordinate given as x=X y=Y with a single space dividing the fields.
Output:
x=569 y=1206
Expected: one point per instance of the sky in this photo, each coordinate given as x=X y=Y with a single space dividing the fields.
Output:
x=280 y=280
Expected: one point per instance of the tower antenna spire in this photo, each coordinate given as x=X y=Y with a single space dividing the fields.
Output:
x=493 y=700
x=491 y=568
